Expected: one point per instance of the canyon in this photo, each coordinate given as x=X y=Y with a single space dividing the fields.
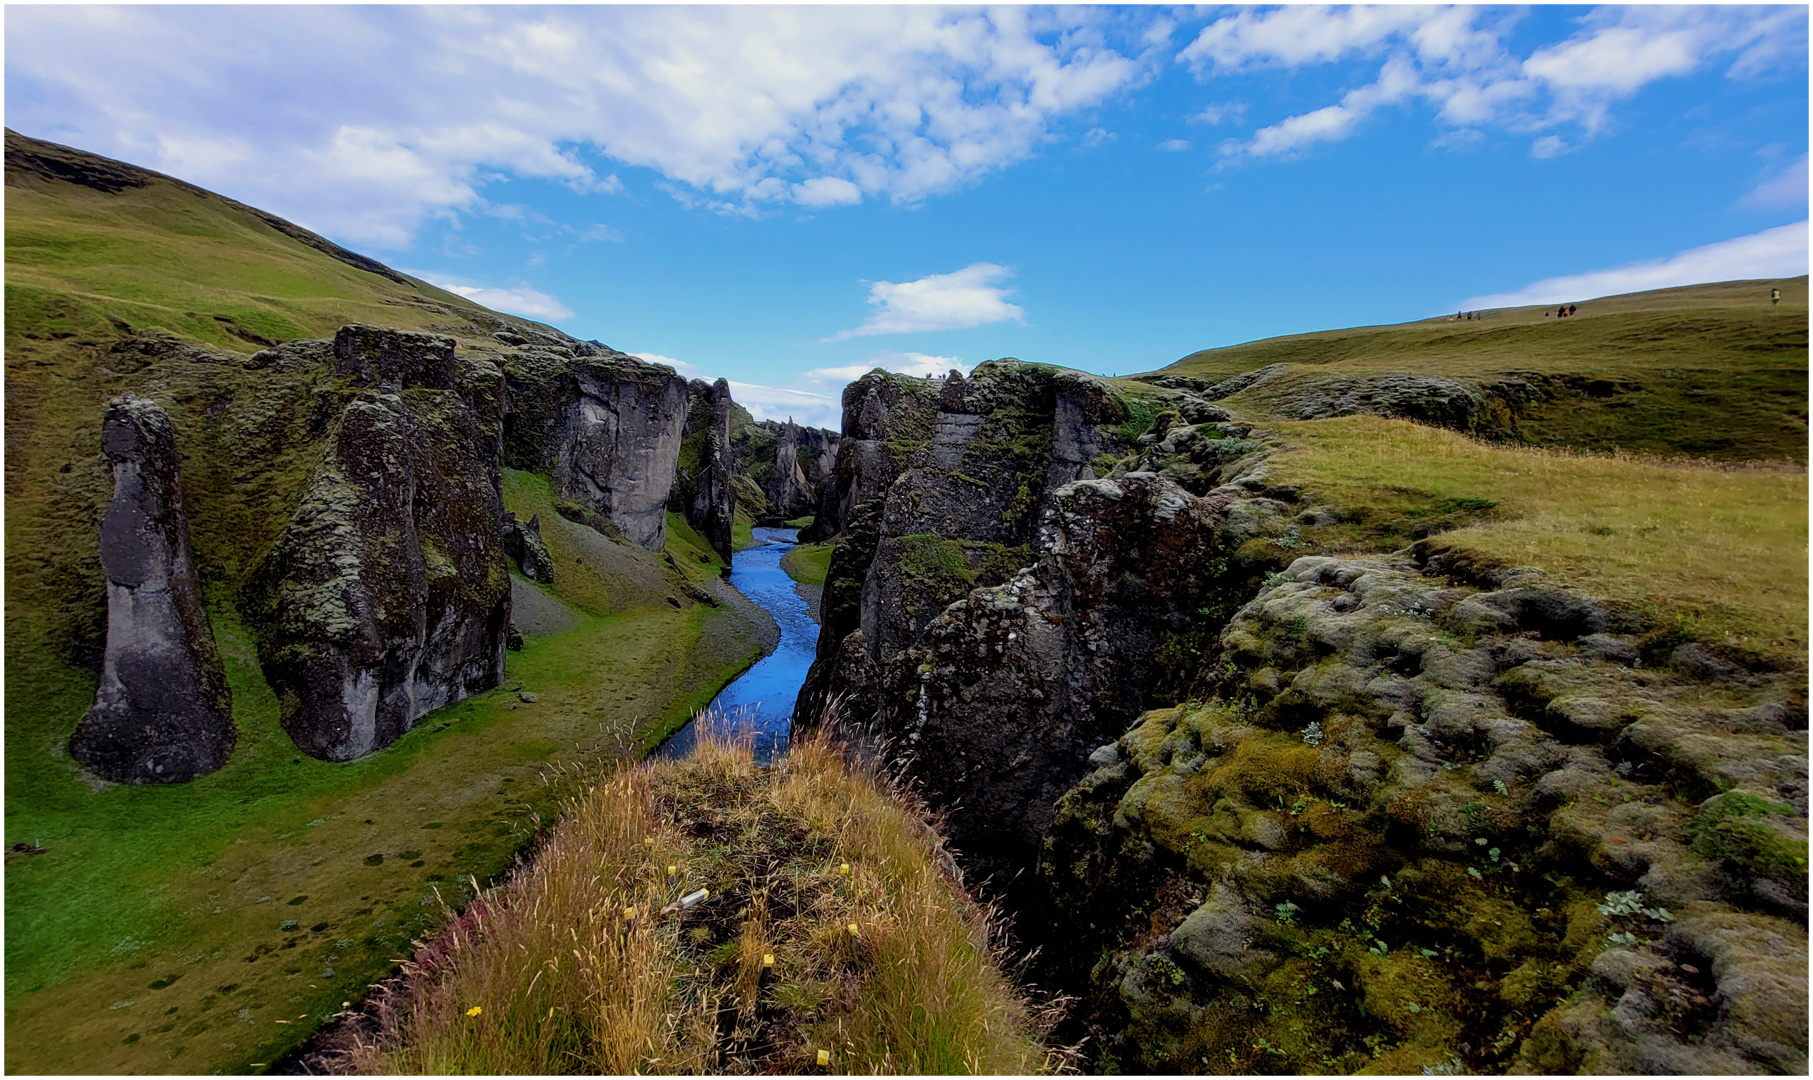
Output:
x=1328 y=703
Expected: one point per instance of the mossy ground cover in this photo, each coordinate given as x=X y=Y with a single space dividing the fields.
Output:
x=1709 y=370
x=1723 y=548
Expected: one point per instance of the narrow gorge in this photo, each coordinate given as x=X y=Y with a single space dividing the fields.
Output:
x=1344 y=702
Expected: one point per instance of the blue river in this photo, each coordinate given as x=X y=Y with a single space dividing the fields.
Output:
x=763 y=696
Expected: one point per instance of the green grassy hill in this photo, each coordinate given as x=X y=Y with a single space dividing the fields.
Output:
x=1712 y=371
x=209 y=926
x=1662 y=464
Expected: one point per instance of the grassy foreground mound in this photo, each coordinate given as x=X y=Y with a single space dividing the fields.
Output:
x=581 y=964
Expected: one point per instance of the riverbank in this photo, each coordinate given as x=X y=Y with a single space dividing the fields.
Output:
x=211 y=927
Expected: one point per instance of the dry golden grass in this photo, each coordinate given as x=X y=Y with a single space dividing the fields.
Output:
x=1722 y=547
x=563 y=983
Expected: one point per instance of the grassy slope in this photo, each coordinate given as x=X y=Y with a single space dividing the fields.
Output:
x=808 y=563
x=546 y=976
x=1721 y=372
x=139 y=941
x=1722 y=548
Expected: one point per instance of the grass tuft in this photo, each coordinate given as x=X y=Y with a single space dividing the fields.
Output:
x=566 y=984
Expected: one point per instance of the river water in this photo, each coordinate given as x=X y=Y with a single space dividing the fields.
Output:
x=763 y=696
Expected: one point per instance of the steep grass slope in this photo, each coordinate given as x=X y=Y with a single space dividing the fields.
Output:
x=209 y=926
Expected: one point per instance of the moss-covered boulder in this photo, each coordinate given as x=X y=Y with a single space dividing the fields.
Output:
x=388 y=594
x=1428 y=823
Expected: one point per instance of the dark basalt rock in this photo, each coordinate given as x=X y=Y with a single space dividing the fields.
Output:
x=710 y=505
x=162 y=712
x=1005 y=693
x=789 y=494
x=605 y=425
x=388 y=595
x=388 y=360
x=523 y=544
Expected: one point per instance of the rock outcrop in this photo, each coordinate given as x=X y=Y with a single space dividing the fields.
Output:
x=388 y=595
x=702 y=485
x=788 y=492
x=604 y=425
x=162 y=712
x=523 y=544
x=978 y=607
x=1002 y=697
x=887 y=417
x=1433 y=822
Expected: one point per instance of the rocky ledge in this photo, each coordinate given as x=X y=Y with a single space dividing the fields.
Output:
x=1431 y=823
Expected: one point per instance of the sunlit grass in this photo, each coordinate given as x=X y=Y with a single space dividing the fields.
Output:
x=579 y=965
x=808 y=563
x=1725 y=547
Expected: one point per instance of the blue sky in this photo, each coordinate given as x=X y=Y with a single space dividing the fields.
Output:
x=788 y=196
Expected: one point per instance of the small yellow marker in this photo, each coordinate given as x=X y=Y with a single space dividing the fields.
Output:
x=768 y=960
x=672 y=872
x=844 y=869
x=852 y=929
x=474 y=1011
x=629 y=913
x=824 y=1057
x=648 y=841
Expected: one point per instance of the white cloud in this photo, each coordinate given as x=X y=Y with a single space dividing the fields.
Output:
x=519 y=299
x=1772 y=253
x=691 y=371
x=1217 y=113
x=826 y=191
x=779 y=403
x=954 y=301
x=367 y=122
x=1174 y=144
x=905 y=363
x=1783 y=191
x=1336 y=122
x=1458 y=61
x=1095 y=137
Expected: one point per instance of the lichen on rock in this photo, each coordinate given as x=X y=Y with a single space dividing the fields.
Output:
x=1429 y=823
x=388 y=594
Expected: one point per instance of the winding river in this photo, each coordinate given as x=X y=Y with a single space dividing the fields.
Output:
x=764 y=694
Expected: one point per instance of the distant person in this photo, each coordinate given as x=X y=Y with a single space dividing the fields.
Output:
x=1571 y=309
x=1775 y=297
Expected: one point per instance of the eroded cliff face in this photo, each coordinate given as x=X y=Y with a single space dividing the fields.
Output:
x=388 y=596
x=702 y=485
x=604 y=425
x=162 y=712
x=991 y=607
x=1437 y=820
x=788 y=491
x=1384 y=813
x=887 y=417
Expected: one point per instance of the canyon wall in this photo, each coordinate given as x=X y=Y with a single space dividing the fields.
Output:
x=388 y=596
x=1266 y=812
